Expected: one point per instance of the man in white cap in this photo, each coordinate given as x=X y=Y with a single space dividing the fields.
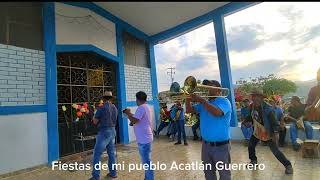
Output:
x=106 y=120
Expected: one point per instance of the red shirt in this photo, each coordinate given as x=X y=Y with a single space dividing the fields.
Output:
x=313 y=93
x=166 y=114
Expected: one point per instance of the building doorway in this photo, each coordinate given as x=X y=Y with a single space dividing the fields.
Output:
x=81 y=77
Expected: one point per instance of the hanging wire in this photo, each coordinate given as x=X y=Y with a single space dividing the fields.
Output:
x=88 y=18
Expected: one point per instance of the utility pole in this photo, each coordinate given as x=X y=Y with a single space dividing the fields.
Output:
x=171 y=73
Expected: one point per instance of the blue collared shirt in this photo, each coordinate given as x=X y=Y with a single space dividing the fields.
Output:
x=173 y=113
x=215 y=128
x=107 y=116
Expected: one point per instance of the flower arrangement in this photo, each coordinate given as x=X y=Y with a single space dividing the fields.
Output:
x=81 y=112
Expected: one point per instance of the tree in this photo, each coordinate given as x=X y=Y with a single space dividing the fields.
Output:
x=279 y=87
x=271 y=85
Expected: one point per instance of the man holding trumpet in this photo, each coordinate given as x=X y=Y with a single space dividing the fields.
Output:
x=215 y=116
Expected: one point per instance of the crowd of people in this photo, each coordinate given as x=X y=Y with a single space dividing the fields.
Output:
x=174 y=120
x=292 y=117
x=262 y=119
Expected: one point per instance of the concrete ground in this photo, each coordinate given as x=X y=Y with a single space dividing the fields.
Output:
x=165 y=152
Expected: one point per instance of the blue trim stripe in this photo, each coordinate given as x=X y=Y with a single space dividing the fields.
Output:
x=121 y=88
x=234 y=7
x=224 y=65
x=85 y=48
x=154 y=82
x=181 y=29
x=9 y=110
x=200 y=21
x=51 y=80
x=104 y=13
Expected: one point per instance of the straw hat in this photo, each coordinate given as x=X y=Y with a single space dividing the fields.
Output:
x=107 y=94
x=257 y=91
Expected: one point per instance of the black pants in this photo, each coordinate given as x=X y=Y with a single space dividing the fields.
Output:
x=195 y=127
x=161 y=126
x=282 y=136
x=273 y=147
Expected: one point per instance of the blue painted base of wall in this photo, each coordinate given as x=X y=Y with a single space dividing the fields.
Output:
x=7 y=110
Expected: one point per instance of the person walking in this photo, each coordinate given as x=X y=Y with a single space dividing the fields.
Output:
x=106 y=120
x=142 y=126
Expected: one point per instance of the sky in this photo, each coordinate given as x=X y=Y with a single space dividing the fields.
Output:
x=271 y=37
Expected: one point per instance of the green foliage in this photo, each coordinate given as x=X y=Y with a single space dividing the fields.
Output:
x=279 y=87
x=271 y=85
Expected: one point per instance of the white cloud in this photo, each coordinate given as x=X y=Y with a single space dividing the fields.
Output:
x=286 y=29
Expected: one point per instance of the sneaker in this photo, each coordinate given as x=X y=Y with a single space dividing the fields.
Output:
x=195 y=138
x=110 y=176
x=254 y=162
x=289 y=169
x=296 y=147
x=185 y=143
x=177 y=143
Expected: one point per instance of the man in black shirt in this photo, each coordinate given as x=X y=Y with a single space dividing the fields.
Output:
x=296 y=111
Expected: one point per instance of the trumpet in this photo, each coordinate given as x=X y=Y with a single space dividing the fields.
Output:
x=192 y=87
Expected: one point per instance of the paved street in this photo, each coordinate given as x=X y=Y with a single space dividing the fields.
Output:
x=165 y=152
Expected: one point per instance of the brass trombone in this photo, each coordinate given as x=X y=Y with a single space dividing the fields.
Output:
x=191 y=86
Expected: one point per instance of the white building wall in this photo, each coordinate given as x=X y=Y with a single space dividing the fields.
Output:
x=137 y=79
x=23 y=141
x=75 y=25
x=22 y=76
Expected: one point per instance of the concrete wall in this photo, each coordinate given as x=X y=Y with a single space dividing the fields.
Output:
x=22 y=76
x=137 y=79
x=132 y=137
x=75 y=25
x=23 y=141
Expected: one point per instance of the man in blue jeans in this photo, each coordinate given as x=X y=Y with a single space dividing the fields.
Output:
x=106 y=120
x=246 y=127
x=296 y=111
x=278 y=112
x=142 y=126
x=177 y=114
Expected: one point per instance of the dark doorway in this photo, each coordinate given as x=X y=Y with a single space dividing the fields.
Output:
x=81 y=77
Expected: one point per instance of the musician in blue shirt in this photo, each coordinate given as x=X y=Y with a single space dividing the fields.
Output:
x=177 y=115
x=215 y=116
